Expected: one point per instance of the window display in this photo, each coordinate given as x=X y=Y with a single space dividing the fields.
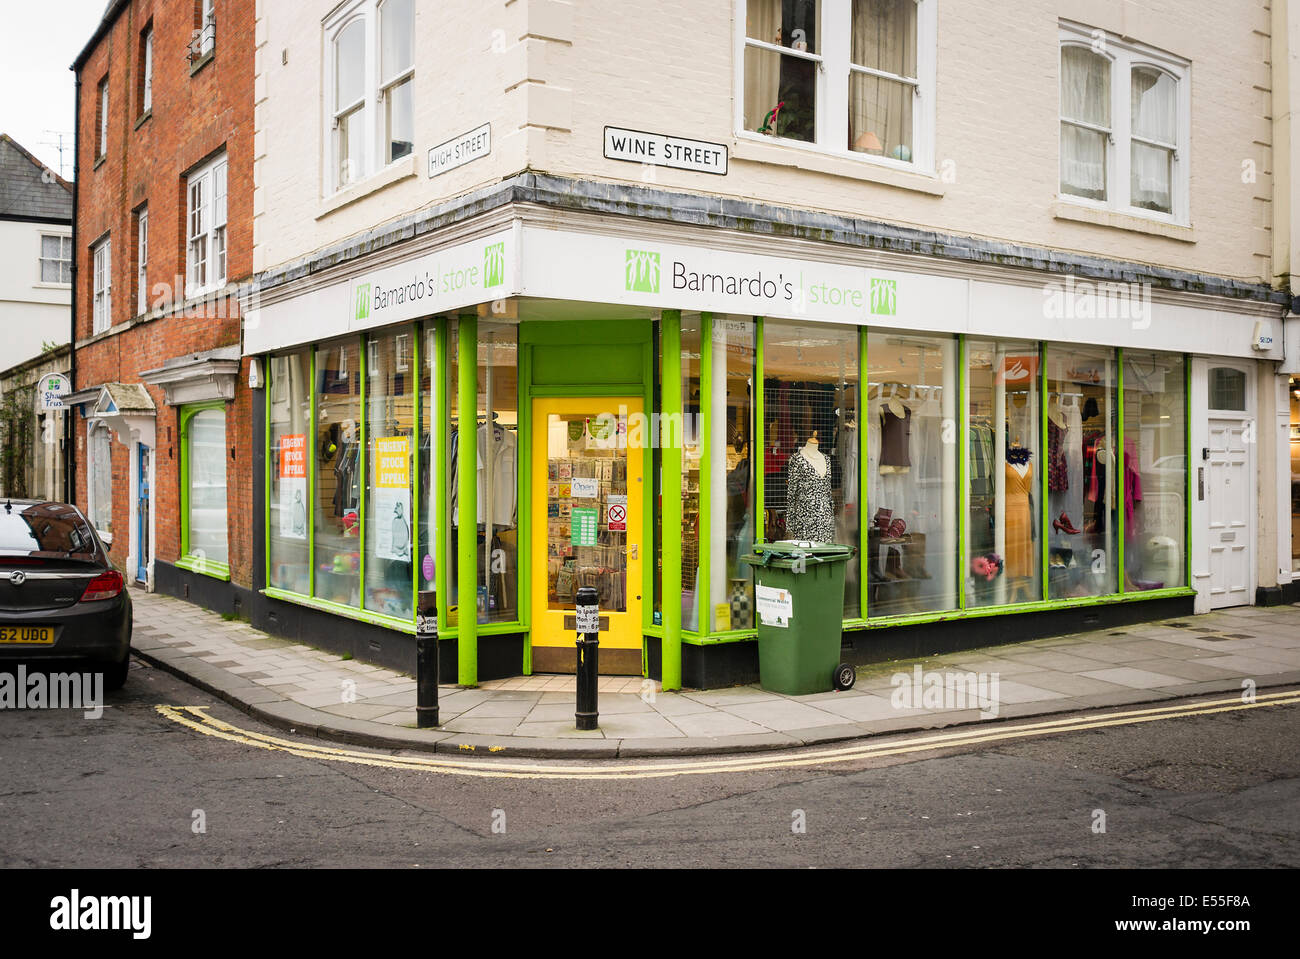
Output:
x=1003 y=539
x=1083 y=479
x=337 y=446
x=290 y=423
x=390 y=463
x=731 y=504
x=911 y=473
x=1155 y=470
x=689 y=437
x=496 y=435
x=810 y=404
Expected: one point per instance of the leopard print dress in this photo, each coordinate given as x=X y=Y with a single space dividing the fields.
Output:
x=808 y=514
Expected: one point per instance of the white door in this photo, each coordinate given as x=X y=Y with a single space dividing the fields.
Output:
x=1228 y=480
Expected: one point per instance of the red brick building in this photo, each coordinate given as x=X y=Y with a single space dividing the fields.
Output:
x=163 y=243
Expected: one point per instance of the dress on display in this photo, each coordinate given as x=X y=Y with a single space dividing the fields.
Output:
x=809 y=514
x=1019 y=539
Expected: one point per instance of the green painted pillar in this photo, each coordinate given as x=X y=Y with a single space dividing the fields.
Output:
x=467 y=501
x=670 y=440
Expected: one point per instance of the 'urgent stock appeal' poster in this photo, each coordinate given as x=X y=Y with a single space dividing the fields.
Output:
x=293 y=486
x=390 y=523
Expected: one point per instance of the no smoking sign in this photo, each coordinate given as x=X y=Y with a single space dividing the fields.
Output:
x=617 y=518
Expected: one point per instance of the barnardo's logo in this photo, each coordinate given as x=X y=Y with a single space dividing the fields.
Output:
x=494 y=265
x=363 y=301
x=642 y=271
x=884 y=297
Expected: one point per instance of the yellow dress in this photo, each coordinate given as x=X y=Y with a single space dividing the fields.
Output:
x=1019 y=540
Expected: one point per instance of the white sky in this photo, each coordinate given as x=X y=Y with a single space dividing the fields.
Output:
x=38 y=42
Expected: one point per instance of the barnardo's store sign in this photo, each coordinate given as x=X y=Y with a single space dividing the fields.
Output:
x=673 y=276
x=459 y=276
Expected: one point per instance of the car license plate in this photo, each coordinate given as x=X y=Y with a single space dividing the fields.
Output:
x=26 y=635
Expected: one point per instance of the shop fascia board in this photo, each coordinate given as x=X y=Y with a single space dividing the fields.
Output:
x=768 y=222
x=197 y=378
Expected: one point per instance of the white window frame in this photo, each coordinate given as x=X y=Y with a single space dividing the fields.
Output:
x=375 y=90
x=146 y=96
x=95 y=430
x=63 y=262
x=834 y=68
x=1124 y=56
x=207 y=28
x=387 y=84
x=142 y=261
x=205 y=227
x=103 y=118
x=102 y=285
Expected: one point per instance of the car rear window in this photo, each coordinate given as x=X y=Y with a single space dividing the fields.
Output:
x=44 y=528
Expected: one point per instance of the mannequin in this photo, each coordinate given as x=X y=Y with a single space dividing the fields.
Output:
x=809 y=514
x=1019 y=527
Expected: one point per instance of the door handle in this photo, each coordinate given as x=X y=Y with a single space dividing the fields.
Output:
x=632 y=549
x=1200 y=483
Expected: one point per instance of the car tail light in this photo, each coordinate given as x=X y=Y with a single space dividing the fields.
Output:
x=104 y=586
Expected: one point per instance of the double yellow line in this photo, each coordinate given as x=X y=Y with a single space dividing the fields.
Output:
x=196 y=718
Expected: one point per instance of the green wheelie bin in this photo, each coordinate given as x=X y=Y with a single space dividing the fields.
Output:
x=799 y=598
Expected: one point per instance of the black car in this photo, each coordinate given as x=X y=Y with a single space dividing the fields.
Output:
x=60 y=597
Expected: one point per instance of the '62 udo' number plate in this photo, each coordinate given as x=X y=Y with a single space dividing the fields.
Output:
x=26 y=636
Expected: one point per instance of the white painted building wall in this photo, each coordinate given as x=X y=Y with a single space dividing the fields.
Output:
x=31 y=312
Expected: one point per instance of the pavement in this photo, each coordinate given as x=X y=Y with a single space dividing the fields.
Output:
x=308 y=691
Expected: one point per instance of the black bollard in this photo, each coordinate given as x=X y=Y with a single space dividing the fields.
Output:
x=587 y=615
x=426 y=660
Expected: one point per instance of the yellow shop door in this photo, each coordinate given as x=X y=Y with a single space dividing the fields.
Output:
x=587 y=507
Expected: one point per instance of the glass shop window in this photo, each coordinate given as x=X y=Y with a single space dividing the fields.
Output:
x=689 y=436
x=911 y=473
x=206 y=448
x=1003 y=534
x=496 y=442
x=289 y=504
x=810 y=439
x=430 y=450
x=731 y=487
x=1155 y=470
x=390 y=463
x=338 y=482
x=1084 y=483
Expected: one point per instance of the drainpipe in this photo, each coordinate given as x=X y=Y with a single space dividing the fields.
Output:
x=69 y=444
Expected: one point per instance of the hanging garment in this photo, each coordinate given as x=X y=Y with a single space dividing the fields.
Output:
x=895 y=438
x=1132 y=489
x=809 y=514
x=1019 y=532
x=849 y=463
x=502 y=446
x=1058 y=472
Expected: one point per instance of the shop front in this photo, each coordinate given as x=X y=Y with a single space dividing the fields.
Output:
x=551 y=405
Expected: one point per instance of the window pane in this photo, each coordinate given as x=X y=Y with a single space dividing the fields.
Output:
x=731 y=509
x=1085 y=86
x=780 y=95
x=101 y=478
x=785 y=23
x=884 y=36
x=690 y=486
x=401 y=132
x=50 y=271
x=1227 y=389
x=449 y=474
x=1152 y=175
x=207 y=463
x=395 y=29
x=390 y=458
x=338 y=473
x=290 y=416
x=1155 y=470
x=911 y=474
x=498 y=473
x=350 y=64
x=1083 y=484
x=1004 y=542
x=1154 y=113
x=352 y=145
x=51 y=247
x=1083 y=162
x=430 y=442
x=810 y=403
x=880 y=117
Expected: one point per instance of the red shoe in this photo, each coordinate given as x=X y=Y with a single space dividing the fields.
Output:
x=1064 y=525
